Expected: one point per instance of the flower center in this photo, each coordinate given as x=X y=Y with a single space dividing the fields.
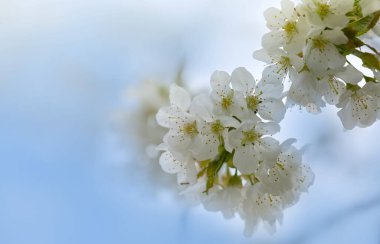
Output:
x=250 y=137
x=323 y=9
x=226 y=102
x=217 y=127
x=252 y=102
x=290 y=29
x=190 y=129
x=284 y=63
x=319 y=43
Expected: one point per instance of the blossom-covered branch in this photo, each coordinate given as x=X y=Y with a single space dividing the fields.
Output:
x=311 y=44
x=220 y=145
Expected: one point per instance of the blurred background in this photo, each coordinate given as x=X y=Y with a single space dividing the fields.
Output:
x=66 y=176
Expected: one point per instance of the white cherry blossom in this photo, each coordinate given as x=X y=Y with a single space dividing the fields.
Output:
x=303 y=92
x=264 y=99
x=251 y=146
x=281 y=64
x=321 y=53
x=288 y=26
x=360 y=106
x=226 y=101
x=223 y=152
x=328 y=13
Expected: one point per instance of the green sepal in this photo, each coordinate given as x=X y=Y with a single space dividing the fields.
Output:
x=235 y=181
x=352 y=87
x=370 y=79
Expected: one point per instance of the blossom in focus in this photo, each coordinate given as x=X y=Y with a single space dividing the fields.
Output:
x=316 y=64
x=221 y=148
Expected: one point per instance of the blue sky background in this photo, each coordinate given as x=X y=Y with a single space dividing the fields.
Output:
x=65 y=178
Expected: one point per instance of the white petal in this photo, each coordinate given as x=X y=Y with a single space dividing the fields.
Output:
x=317 y=62
x=202 y=106
x=243 y=81
x=244 y=160
x=331 y=88
x=346 y=117
x=206 y=147
x=272 y=109
x=272 y=40
x=169 y=164
x=163 y=117
x=297 y=62
x=269 y=90
x=273 y=74
x=287 y=8
x=188 y=175
x=274 y=18
x=178 y=140
x=350 y=75
x=335 y=60
x=179 y=97
x=268 y=128
x=262 y=55
x=335 y=36
x=220 y=82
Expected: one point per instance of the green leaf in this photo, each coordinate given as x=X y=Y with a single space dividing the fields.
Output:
x=369 y=60
x=369 y=79
x=213 y=168
x=350 y=46
x=361 y=26
x=356 y=12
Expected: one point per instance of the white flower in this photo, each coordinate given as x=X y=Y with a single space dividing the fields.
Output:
x=213 y=129
x=331 y=87
x=321 y=53
x=328 y=13
x=141 y=123
x=303 y=92
x=263 y=99
x=289 y=28
x=275 y=189
x=260 y=206
x=360 y=106
x=182 y=125
x=226 y=200
x=223 y=153
x=226 y=101
x=183 y=167
x=288 y=173
x=281 y=64
x=349 y=75
x=251 y=147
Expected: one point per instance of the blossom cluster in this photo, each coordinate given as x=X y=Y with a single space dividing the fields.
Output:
x=221 y=147
x=311 y=43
